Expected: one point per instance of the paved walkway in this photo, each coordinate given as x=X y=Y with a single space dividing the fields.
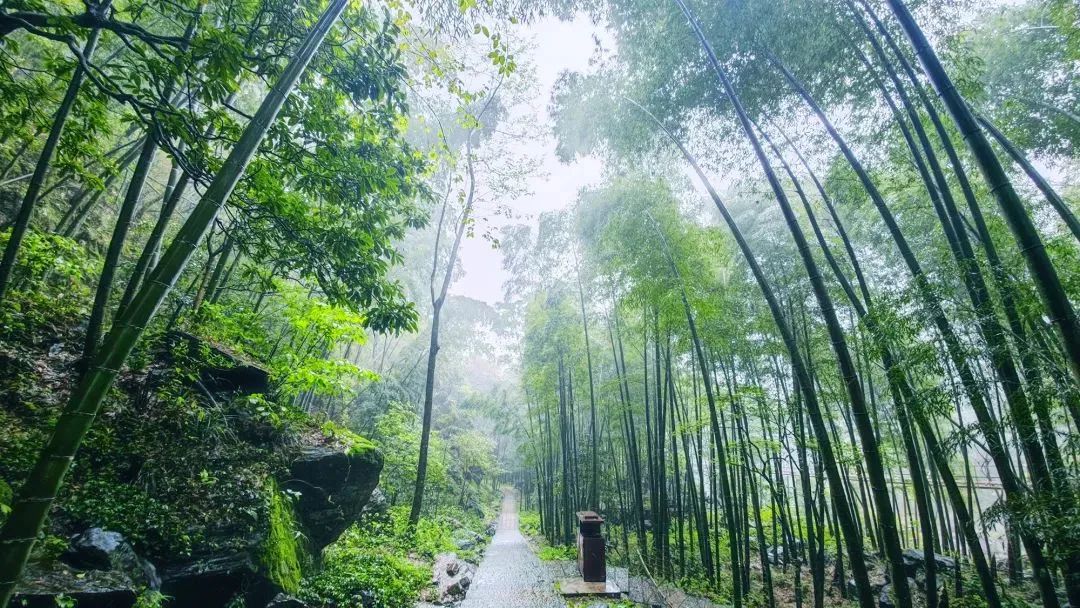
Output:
x=510 y=573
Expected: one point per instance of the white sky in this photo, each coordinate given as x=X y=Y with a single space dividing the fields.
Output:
x=557 y=46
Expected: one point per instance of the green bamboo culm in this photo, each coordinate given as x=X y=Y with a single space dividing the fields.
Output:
x=41 y=487
x=41 y=169
x=852 y=539
x=1027 y=237
x=1042 y=270
x=125 y=215
x=1052 y=197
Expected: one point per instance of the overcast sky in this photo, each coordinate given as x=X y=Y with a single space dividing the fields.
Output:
x=556 y=46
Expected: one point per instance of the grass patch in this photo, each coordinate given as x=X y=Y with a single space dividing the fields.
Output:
x=360 y=565
x=385 y=563
x=551 y=553
x=529 y=522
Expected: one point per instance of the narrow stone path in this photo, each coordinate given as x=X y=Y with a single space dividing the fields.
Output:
x=510 y=573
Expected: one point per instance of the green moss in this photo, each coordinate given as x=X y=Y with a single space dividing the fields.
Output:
x=356 y=444
x=282 y=552
x=360 y=445
x=6 y=495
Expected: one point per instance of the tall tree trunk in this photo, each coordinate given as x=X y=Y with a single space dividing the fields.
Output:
x=897 y=384
x=116 y=246
x=38 y=492
x=1042 y=270
x=867 y=436
x=80 y=207
x=594 y=447
x=1052 y=197
x=41 y=172
x=438 y=298
x=957 y=353
x=851 y=537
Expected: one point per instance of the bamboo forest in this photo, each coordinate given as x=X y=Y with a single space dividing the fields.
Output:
x=539 y=303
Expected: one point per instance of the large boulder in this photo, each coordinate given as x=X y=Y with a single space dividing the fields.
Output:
x=376 y=507
x=98 y=549
x=283 y=600
x=779 y=554
x=334 y=484
x=915 y=562
x=885 y=596
x=215 y=581
x=465 y=539
x=41 y=585
x=878 y=582
x=100 y=569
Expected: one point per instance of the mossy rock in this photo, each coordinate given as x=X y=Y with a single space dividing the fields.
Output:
x=333 y=483
x=7 y=497
x=282 y=554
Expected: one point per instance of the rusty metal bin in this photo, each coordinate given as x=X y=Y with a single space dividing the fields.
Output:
x=590 y=545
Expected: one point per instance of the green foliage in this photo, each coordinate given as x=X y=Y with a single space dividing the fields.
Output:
x=296 y=367
x=330 y=378
x=549 y=553
x=49 y=549
x=145 y=520
x=353 y=442
x=282 y=554
x=1026 y=73
x=52 y=281
x=366 y=560
x=6 y=497
x=398 y=433
x=150 y=599
x=529 y=523
x=431 y=538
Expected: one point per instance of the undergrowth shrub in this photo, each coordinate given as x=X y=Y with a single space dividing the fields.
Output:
x=529 y=523
x=551 y=553
x=50 y=283
x=383 y=561
x=363 y=565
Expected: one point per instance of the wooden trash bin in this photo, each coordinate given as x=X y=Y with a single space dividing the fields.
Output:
x=590 y=546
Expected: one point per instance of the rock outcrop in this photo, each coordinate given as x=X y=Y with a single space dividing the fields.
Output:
x=226 y=373
x=915 y=562
x=99 y=570
x=334 y=485
x=283 y=600
x=215 y=581
x=41 y=585
x=321 y=481
x=885 y=595
x=97 y=549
